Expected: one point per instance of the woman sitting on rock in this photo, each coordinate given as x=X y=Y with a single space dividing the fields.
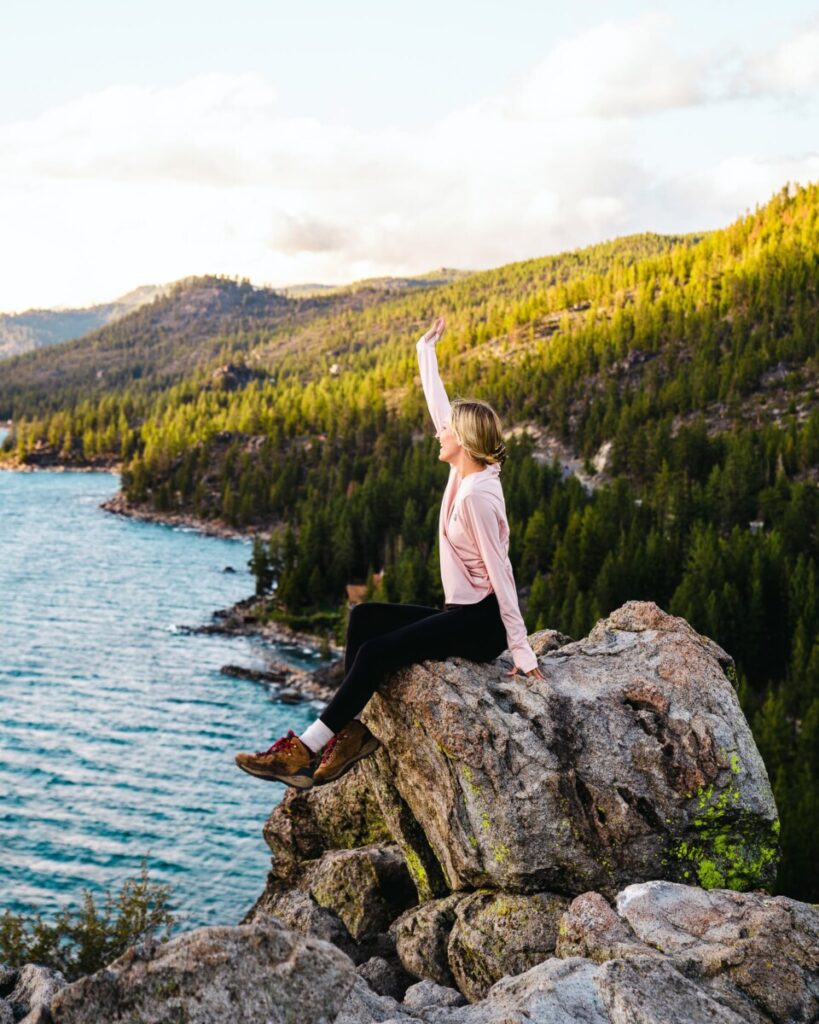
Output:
x=480 y=618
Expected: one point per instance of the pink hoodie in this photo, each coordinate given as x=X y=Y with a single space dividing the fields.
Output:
x=473 y=531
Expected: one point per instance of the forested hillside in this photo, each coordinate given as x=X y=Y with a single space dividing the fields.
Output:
x=686 y=368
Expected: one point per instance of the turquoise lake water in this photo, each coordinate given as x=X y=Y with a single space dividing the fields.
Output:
x=117 y=730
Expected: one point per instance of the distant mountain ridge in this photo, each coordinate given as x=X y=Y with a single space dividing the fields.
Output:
x=39 y=328
x=186 y=328
x=432 y=279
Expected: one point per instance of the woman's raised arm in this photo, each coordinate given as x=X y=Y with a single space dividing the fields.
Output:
x=434 y=390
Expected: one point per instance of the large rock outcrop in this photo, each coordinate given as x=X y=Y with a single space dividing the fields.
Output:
x=664 y=952
x=26 y=993
x=573 y=848
x=508 y=797
x=758 y=954
x=630 y=761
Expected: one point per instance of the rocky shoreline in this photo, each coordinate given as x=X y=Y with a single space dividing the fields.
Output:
x=16 y=466
x=285 y=682
x=119 y=505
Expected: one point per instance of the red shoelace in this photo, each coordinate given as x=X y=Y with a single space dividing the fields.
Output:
x=281 y=744
x=330 y=744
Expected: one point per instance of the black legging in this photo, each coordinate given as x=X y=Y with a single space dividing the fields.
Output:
x=384 y=637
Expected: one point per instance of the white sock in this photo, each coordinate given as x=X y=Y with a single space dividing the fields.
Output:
x=316 y=736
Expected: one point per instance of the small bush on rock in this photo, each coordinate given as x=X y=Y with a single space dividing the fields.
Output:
x=81 y=941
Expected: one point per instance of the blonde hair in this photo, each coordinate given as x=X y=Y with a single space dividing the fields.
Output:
x=477 y=428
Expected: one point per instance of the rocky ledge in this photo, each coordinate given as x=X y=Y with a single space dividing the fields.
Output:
x=120 y=505
x=630 y=761
x=594 y=846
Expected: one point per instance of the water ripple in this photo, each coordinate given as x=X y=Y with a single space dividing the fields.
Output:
x=117 y=730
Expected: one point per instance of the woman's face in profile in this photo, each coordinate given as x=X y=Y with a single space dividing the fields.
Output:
x=448 y=442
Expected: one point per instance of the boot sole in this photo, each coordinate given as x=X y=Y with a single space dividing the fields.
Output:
x=371 y=745
x=296 y=781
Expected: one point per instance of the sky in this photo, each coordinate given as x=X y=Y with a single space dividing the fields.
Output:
x=327 y=142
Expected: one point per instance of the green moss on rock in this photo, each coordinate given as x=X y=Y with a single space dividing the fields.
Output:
x=418 y=872
x=731 y=849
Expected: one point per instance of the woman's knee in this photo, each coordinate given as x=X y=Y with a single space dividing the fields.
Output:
x=370 y=648
x=362 y=615
x=379 y=655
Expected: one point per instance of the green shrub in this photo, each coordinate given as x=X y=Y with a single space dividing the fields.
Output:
x=82 y=941
x=310 y=622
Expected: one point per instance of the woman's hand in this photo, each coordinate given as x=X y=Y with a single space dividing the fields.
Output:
x=535 y=673
x=435 y=332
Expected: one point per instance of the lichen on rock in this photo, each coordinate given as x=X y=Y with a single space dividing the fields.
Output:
x=499 y=934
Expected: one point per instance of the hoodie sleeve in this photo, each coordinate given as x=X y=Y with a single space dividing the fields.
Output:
x=434 y=390
x=484 y=526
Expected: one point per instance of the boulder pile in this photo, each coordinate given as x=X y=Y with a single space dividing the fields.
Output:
x=593 y=846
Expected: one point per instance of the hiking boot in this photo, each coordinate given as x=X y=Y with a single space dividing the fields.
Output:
x=344 y=749
x=288 y=760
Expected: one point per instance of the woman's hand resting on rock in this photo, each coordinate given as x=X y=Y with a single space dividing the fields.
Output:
x=535 y=673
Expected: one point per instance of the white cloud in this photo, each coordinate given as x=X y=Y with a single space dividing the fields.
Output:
x=790 y=69
x=616 y=69
x=137 y=184
x=739 y=182
x=292 y=235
